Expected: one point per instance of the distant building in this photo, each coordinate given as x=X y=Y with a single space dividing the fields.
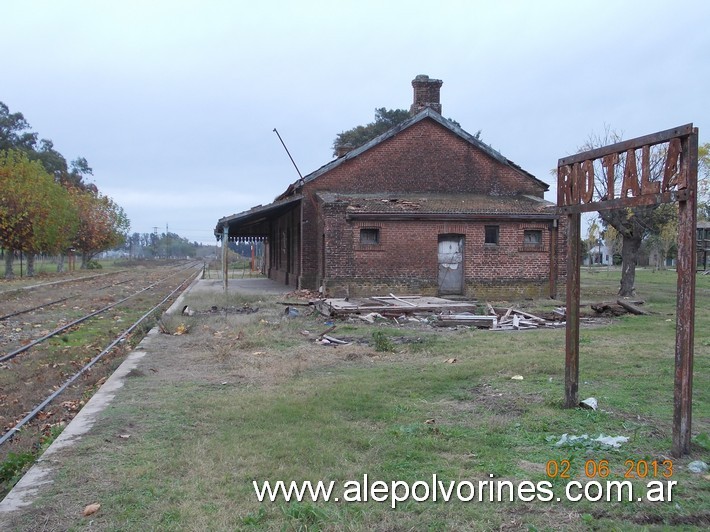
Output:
x=424 y=208
x=703 y=244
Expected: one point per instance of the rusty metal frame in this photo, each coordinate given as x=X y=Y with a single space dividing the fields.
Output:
x=685 y=193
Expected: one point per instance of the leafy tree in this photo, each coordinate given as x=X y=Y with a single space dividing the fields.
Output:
x=385 y=119
x=665 y=239
x=14 y=131
x=613 y=241
x=15 y=134
x=102 y=224
x=36 y=214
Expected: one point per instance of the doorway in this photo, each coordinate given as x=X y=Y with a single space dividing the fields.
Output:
x=451 y=264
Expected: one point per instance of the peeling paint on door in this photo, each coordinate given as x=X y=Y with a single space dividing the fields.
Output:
x=451 y=264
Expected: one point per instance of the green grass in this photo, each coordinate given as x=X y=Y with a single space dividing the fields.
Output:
x=196 y=447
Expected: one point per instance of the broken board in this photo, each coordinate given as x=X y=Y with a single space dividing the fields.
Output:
x=392 y=305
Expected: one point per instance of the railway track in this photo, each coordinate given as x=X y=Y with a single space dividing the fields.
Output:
x=39 y=309
x=73 y=358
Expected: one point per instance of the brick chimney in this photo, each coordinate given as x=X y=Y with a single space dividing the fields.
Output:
x=426 y=94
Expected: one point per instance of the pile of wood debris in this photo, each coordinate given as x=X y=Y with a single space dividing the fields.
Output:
x=436 y=311
x=441 y=312
x=497 y=319
x=391 y=306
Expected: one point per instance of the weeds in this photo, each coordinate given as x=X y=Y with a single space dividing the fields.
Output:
x=383 y=344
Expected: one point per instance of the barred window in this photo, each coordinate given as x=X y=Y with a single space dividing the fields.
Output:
x=369 y=236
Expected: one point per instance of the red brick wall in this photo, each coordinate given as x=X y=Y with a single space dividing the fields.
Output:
x=426 y=157
x=423 y=158
x=405 y=260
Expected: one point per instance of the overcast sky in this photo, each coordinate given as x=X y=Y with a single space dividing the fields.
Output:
x=173 y=103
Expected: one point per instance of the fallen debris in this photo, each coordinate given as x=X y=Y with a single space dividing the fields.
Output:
x=584 y=440
x=697 y=467
x=589 y=402
x=447 y=320
x=632 y=308
x=214 y=309
x=91 y=509
x=619 y=307
x=333 y=340
x=371 y=317
x=512 y=319
x=390 y=306
x=302 y=294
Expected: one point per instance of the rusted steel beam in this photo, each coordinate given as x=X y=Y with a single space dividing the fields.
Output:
x=685 y=311
x=622 y=203
x=572 y=328
x=631 y=144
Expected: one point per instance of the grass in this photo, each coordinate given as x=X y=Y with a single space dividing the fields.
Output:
x=391 y=410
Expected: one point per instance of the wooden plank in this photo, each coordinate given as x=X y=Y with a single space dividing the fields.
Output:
x=530 y=316
x=402 y=300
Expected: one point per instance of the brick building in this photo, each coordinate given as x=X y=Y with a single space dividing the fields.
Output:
x=424 y=208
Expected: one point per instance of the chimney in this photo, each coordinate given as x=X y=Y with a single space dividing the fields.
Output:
x=426 y=94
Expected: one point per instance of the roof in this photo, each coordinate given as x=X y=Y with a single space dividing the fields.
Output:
x=250 y=220
x=433 y=204
x=426 y=113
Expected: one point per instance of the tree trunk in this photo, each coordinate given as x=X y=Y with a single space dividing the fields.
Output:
x=85 y=258
x=30 y=265
x=629 y=252
x=60 y=263
x=9 y=257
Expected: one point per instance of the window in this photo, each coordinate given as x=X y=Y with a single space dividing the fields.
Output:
x=491 y=234
x=369 y=236
x=532 y=237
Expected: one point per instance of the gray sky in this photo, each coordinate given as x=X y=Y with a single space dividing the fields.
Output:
x=174 y=102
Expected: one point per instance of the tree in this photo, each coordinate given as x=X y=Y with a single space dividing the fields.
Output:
x=14 y=131
x=663 y=241
x=36 y=214
x=385 y=119
x=633 y=224
x=15 y=134
x=612 y=240
x=103 y=224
